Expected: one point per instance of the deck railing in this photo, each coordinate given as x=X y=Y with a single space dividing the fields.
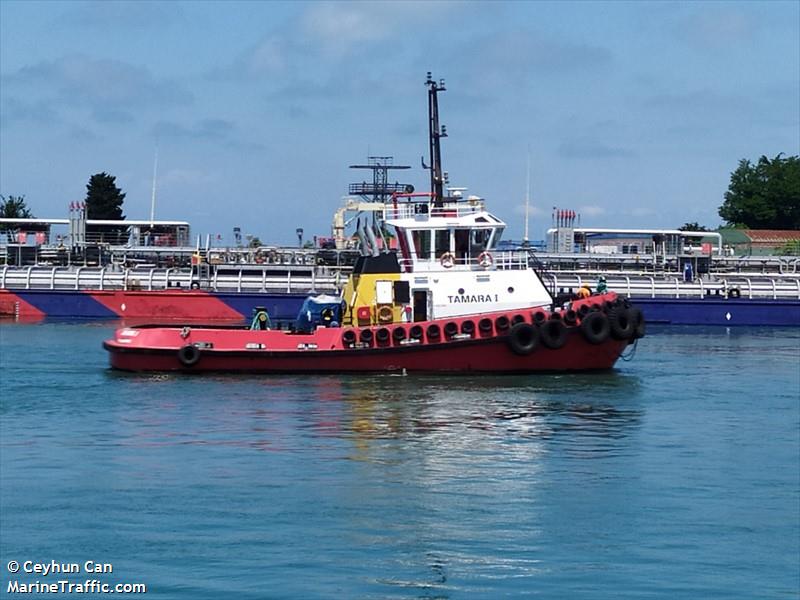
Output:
x=108 y=279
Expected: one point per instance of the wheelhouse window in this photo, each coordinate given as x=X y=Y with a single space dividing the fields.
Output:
x=479 y=241
x=462 y=243
x=442 y=239
x=421 y=239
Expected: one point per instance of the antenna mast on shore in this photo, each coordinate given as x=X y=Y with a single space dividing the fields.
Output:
x=153 y=196
x=527 y=197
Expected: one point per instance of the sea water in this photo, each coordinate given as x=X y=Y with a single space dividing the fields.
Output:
x=676 y=475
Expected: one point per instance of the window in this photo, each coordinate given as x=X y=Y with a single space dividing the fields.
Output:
x=422 y=243
x=479 y=240
x=442 y=241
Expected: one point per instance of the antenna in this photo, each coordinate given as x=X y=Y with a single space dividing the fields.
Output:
x=434 y=134
x=527 y=197
x=153 y=196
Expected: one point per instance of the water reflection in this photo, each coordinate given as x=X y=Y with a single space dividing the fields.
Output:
x=443 y=414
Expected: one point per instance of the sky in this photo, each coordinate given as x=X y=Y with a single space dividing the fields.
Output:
x=633 y=114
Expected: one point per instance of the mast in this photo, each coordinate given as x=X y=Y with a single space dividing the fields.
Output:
x=527 y=197
x=437 y=180
x=153 y=195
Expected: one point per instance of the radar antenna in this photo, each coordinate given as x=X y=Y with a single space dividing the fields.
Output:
x=380 y=189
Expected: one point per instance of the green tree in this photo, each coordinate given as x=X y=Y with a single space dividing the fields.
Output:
x=104 y=201
x=14 y=207
x=692 y=227
x=765 y=195
x=103 y=198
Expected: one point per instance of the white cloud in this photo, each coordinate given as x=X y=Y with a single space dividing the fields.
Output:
x=98 y=83
x=591 y=211
x=715 y=25
x=534 y=212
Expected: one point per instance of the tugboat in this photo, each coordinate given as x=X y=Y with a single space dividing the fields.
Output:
x=444 y=302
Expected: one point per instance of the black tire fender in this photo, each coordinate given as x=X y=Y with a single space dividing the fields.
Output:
x=523 y=338
x=595 y=327
x=382 y=335
x=189 y=355
x=553 y=334
x=621 y=323
x=636 y=316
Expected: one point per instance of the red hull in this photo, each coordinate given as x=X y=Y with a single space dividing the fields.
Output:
x=492 y=355
x=515 y=342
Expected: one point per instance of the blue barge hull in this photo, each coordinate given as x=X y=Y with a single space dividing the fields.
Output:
x=202 y=306
x=720 y=311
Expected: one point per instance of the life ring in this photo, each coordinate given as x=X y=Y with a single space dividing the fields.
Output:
x=447 y=259
x=433 y=332
x=595 y=328
x=621 y=324
x=189 y=355
x=636 y=317
x=399 y=334
x=523 y=338
x=553 y=334
x=385 y=314
x=485 y=260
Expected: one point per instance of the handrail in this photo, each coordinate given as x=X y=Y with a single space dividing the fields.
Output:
x=150 y=280
x=3 y=278
x=53 y=278
x=102 y=273
x=28 y=279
